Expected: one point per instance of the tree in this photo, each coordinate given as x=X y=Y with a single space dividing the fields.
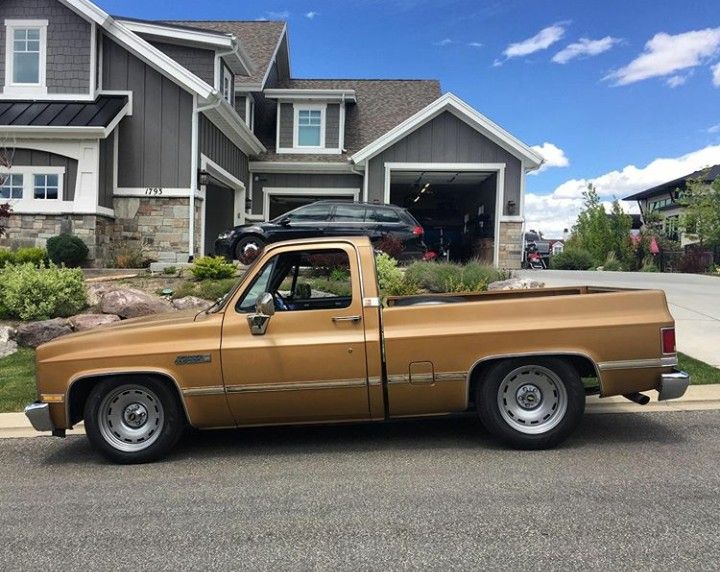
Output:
x=7 y=154
x=600 y=233
x=702 y=211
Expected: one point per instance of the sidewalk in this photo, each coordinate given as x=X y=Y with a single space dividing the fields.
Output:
x=697 y=397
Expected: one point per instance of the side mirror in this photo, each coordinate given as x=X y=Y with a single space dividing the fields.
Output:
x=285 y=221
x=264 y=309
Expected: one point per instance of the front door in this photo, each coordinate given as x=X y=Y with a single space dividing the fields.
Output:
x=310 y=363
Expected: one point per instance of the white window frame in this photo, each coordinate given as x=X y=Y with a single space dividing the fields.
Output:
x=3 y=181
x=28 y=172
x=297 y=108
x=25 y=89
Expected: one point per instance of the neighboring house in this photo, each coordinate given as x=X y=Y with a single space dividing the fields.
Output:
x=166 y=133
x=557 y=245
x=661 y=201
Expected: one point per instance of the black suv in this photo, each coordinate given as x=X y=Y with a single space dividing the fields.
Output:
x=325 y=218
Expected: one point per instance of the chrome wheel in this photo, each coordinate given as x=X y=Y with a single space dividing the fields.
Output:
x=131 y=418
x=532 y=399
x=248 y=251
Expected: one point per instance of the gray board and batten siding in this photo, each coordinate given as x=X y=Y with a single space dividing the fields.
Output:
x=199 y=61
x=68 y=43
x=33 y=158
x=445 y=139
x=301 y=181
x=215 y=145
x=156 y=139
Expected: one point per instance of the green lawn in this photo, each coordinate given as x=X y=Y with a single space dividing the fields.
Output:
x=17 y=380
x=17 y=377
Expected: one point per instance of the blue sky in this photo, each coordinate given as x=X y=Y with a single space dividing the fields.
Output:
x=640 y=87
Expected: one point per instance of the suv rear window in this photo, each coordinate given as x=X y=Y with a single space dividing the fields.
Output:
x=352 y=213
x=379 y=214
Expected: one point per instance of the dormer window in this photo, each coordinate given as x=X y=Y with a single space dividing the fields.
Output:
x=25 y=55
x=227 y=85
x=310 y=126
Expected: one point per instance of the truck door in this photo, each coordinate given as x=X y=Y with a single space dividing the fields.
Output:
x=310 y=362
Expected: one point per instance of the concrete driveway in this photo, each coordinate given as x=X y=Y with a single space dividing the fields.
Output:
x=694 y=302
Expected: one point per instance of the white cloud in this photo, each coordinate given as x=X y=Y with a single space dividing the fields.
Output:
x=282 y=15
x=584 y=47
x=557 y=210
x=475 y=44
x=677 y=80
x=497 y=63
x=665 y=54
x=714 y=128
x=444 y=42
x=553 y=155
x=716 y=75
x=311 y=15
x=540 y=41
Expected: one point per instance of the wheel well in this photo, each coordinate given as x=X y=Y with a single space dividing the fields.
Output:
x=582 y=364
x=80 y=390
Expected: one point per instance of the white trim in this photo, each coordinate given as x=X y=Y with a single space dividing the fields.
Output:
x=149 y=192
x=304 y=191
x=324 y=95
x=28 y=202
x=297 y=108
x=101 y=56
x=497 y=168
x=194 y=154
x=93 y=58
x=341 y=136
x=116 y=140
x=300 y=167
x=179 y=34
x=29 y=90
x=463 y=111
x=512 y=218
x=225 y=118
x=366 y=177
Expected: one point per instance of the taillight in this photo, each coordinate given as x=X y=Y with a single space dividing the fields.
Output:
x=418 y=231
x=668 y=340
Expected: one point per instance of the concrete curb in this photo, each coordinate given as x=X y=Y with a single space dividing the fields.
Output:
x=697 y=398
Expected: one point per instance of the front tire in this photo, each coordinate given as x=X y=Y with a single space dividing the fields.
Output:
x=133 y=421
x=531 y=403
x=248 y=249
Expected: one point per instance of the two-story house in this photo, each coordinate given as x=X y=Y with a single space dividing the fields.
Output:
x=660 y=205
x=167 y=133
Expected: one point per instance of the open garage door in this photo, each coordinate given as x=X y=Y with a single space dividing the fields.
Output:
x=456 y=209
x=219 y=213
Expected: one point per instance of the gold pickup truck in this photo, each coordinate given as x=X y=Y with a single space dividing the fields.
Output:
x=304 y=337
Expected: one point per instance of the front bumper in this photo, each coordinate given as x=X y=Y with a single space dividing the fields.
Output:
x=39 y=415
x=223 y=247
x=672 y=385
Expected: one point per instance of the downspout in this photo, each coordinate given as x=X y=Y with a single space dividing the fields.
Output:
x=194 y=166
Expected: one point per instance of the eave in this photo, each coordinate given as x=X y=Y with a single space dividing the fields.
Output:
x=327 y=95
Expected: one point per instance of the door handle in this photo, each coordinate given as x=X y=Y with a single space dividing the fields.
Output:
x=346 y=319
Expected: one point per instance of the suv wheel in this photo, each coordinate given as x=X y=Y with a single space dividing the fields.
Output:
x=248 y=249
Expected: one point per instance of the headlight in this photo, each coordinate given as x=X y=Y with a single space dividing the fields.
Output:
x=224 y=235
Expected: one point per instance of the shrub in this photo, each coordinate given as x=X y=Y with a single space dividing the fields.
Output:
x=31 y=293
x=648 y=265
x=33 y=255
x=572 y=259
x=212 y=268
x=169 y=270
x=207 y=289
x=391 y=279
x=6 y=257
x=5 y=211
x=612 y=264
x=451 y=277
x=130 y=254
x=67 y=249
x=390 y=245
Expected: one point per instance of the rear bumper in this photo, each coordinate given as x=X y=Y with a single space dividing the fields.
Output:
x=672 y=385
x=39 y=415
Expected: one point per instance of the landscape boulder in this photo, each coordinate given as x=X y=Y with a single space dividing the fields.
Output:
x=191 y=303
x=83 y=322
x=132 y=303
x=97 y=290
x=8 y=345
x=516 y=284
x=35 y=333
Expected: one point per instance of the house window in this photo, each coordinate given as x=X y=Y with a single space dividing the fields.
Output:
x=25 y=56
x=310 y=128
x=227 y=86
x=46 y=187
x=11 y=186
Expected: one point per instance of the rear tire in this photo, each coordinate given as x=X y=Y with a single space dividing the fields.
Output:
x=133 y=421
x=533 y=403
x=248 y=249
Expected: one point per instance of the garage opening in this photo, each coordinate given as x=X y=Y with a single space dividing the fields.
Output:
x=456 y=209
x=219 y=213
x=279 y=201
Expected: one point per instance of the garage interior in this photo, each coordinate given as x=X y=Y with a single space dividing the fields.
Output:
x=219 y=212
x=280 y=204
x=456 y=209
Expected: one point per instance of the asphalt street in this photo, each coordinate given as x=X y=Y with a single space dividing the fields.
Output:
x=627 y=492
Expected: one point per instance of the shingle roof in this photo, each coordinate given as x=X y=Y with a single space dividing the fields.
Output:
x=708 y=174
x=258 y=38
x=381 y=104
x=98 y=113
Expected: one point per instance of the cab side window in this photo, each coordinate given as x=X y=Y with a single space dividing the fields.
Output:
x=302 y=281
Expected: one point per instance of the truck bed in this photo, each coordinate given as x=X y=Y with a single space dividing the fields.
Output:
x=491 y=295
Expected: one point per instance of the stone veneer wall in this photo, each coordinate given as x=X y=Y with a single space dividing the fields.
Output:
x=34 y=230
x=510 y=255
x=157 y=224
